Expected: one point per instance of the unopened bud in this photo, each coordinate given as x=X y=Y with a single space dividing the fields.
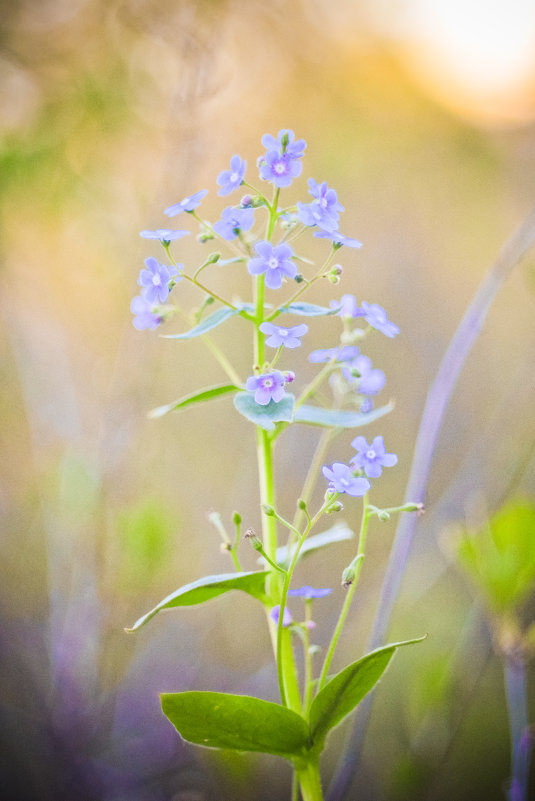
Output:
x=301 y=504
x=299 y=278
x=236 y=518
x=246 y=202
x=285 y=139
x=205 y=236
x=348 y=577
x=382 y=515
x=269 y=511
x=213 y=257
x=333 y=278
x=255 y=541
x=337 y=506
x=289 y=376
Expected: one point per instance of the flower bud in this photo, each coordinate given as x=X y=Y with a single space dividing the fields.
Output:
x=301 y=504
x=348 y=576
x=246 y=202
x=213 y=257
x=382 y=515
x=289 y=376
x=255 y=541
x=205 y=236
x=236 y=518
x=335 y=507
x=269 y=511
x=285 y=139
x=299 y=278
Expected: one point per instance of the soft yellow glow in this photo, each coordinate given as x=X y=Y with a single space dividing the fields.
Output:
x=478 y=55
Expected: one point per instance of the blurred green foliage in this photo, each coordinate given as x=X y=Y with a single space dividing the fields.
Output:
x=500 y=558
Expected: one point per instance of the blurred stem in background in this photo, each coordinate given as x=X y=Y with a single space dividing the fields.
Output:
x=435 y=408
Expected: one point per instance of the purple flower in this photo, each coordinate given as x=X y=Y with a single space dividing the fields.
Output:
x=266 y=387
x=144 y=316
x=341 y=479
x=229 y=180
x=294 y=149
x=275 y=262
x=287 y=618
x=155 y=280
x=340 y=354
x=372 y=458
x=233 y=221
x=324 y=210
x=376 y=317
x=279 y=168
x=310 y=592
x=283 y=337
x=188 y=204
x=163 y=234
x=371 y=380
x=347 y=306
x=338 y=239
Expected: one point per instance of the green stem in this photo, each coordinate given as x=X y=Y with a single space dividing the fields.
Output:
x=349 y=596
x=308 y=682
x=309 y=781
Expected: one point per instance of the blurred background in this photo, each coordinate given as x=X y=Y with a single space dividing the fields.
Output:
x=421 y=113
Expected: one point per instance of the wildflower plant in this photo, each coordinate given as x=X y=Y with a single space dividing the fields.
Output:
x=263 y=235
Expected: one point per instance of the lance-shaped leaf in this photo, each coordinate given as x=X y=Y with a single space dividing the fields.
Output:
x=338 y=418
x=197 y=397
x=309 y=310
x=212 y=321
x=337 y=533
x=206 y=588
x=265 y=416
x=345 y=690
x=239 y=722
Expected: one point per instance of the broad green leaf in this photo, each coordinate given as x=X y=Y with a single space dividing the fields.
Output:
x=196 y=397
x=206 y=588
x=501 y=557
x=345 y=690
x=218 y=720
x=338 y=418
x=210 y=322
x=337 y=533
x=265 y=416
x=309 y=310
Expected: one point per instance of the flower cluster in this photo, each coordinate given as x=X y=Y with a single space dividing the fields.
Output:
x=272 y=261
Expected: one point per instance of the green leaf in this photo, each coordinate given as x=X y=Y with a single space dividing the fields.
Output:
x=309 y=310
x=239 y=722
x=337 y=533
x=196 y=397
x=345 y=690
x=210 y=322
x=265 y=416
x=338 y=418
x=206 y=588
